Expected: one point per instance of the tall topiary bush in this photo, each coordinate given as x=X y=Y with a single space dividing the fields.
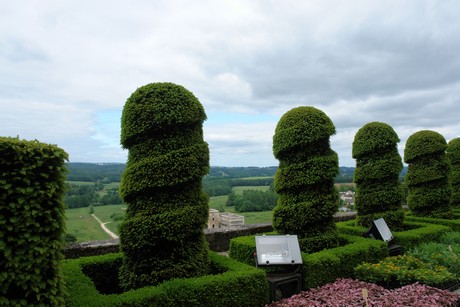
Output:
x=427 y=178
x=378 y=165
x=453 y=155
x=32 y=223
x=305 y=178
x=162 y=236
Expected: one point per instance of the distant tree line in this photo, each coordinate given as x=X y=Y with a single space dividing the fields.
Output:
x=252 y=200
x=216 y=187
x=111 y=172
x=78 y=196
x=94 y=172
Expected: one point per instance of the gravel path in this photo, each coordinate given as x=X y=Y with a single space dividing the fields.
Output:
x=111 y=234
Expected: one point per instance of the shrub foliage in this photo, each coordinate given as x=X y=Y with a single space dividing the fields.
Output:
x=162 y=236
x=427 y=178
x=304 y=181
x=31 y=222
x=378 y=165
x=403 y=270
x=453 y=155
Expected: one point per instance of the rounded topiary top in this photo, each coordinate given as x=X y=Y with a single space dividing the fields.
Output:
x=453 y=151
x=157 y=107
x=374 y=138
x=301 y=127
x=423 y=143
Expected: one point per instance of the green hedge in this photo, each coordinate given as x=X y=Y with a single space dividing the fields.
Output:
x=378 y=165
x=324 y=266
x=453 y=224
x=32 y=222
x=453 y=154
x=417 y=233
x=233 y=284
x=304 y=181
x=162 y=235
x=428 y=175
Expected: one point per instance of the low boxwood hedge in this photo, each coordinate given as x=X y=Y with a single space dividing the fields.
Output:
x=93 y=281
x=454 y=224
x=324 y=266
x=416 y=233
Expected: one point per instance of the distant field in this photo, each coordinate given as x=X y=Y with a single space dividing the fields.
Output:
x=112 y=186
x=256 y=178
x=240 y=189
x=85 y=228
x=249 y=217
x=81 y=182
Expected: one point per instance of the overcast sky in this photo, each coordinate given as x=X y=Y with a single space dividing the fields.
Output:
x=67 y=68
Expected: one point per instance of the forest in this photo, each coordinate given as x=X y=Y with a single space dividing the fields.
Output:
x=111 y=172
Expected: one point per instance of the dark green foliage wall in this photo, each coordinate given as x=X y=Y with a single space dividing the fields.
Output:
x=32 y=222
x=162 y=235
x=453 y=155
x=427 y=178
x=304 y=181
x=378 y=165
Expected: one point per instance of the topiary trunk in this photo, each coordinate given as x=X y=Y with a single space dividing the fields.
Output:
x=453 y=155
x=427 y=178
x=305 y=178
x=378 y=165
x=162 y=236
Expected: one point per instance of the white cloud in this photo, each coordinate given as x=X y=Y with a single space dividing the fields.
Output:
x=64 y=63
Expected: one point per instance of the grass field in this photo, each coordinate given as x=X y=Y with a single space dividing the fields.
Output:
x=218 y=202
x=85 y=228
x=112 y=186
x=240 y=189
x=80 y=182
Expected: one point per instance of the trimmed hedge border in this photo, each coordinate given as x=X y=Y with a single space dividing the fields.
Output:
x=454 y=224
x=420 y=232
x=237 y=285
x=324 y=266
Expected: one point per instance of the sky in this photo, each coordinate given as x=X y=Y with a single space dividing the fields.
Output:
x=68 y=67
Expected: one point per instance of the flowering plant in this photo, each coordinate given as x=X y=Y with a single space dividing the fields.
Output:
x=349 y=292
x=442 y=254
x=403 y=270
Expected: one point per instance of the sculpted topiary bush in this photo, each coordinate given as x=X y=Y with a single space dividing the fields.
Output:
x=162 y=236
x=453 y=154
x=305 y=178
x=427 y=178
x=378 y=165
x=32 y=223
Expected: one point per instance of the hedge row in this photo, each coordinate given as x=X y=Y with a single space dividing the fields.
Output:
x=453 y=224
x=92 y=281
x=32 y=222
x=416 y=233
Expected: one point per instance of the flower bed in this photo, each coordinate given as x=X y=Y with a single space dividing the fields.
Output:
x=350 y=292
x=393 y=272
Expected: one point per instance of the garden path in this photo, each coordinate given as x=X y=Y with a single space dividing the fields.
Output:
x=110 y=233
